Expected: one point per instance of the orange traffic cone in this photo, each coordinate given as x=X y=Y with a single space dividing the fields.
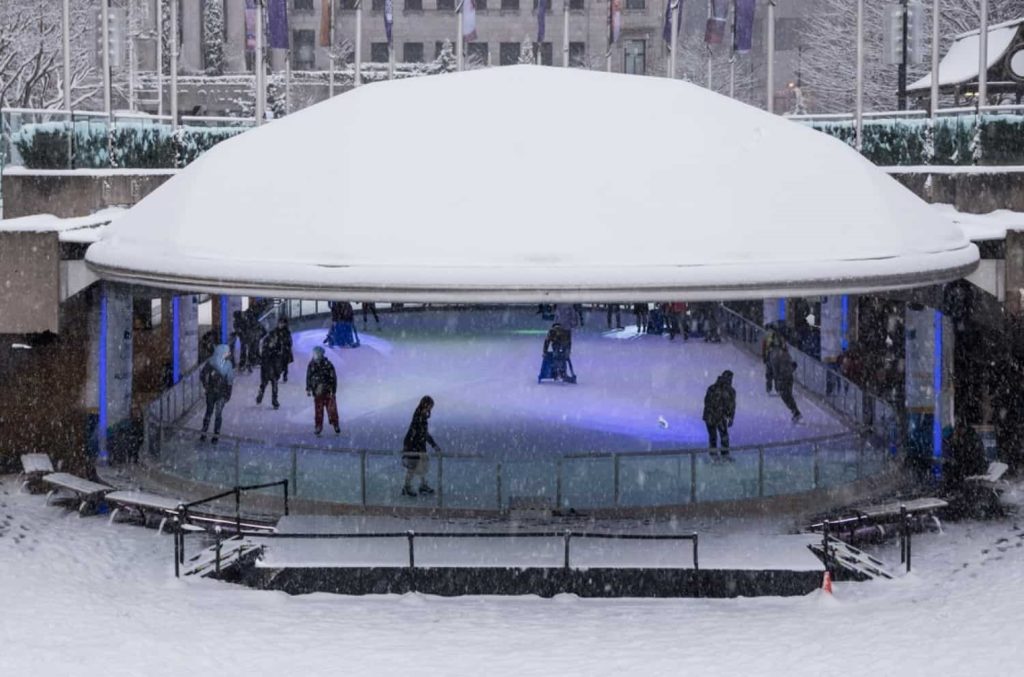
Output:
x=826 y=583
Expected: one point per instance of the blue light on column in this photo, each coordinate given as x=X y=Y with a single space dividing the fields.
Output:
x=782 y=311
x=176 y=338
x=101 y=424
x=225 y=308
x=937 y=386
x=844 y=323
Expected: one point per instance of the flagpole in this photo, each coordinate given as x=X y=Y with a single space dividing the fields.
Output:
x=936 y=19
x=130 y=31
x=173 y=47
x=859 y=107
x=391 y=61
x=257 y=64
x=160 y=57
x=565 y=34
x=357 y=78
x=770 y=80
x=983 y=55
x=711 y=15
x=66 y=40
x=674 y=42
x=105 y=57
x=330 y=51
x=458 y=36
x=287 y=81
x=732 y=56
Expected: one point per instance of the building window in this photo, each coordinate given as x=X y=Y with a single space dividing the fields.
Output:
x=635 y=54
x=303 y=50
x=508 y=53
x=379 y=52
x=635 y=4
x=480 y=4
x=578 y=54
x=413 y=5
x=377 y=5
x=477 y=54
x=412 y=52
x=537 y=2
x=546 y=53
x=303 y=5
x=510 y=5
x=576 y=4
x=351 y=4
x=446 y=5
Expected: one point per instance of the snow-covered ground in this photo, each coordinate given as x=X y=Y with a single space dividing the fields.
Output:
x=81 y=597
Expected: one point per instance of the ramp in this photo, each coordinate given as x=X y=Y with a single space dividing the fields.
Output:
x=204 y=563
x=844 y=556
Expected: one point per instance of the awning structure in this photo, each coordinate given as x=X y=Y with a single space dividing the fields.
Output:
x=961 y=63
x=527 y=184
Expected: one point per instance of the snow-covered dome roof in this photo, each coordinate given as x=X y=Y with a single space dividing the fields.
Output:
x=528 y=183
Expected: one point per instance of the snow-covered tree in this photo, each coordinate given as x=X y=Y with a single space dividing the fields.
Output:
x=829 y=57
x=446 y=61
x=213 y=36
x=31 y=60
x=526 y=52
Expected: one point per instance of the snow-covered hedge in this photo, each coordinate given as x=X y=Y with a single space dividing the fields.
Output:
x=45 y=145
x=960 y=140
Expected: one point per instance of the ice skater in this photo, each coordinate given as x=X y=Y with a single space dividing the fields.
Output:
x=272 y=361
x=613 y=308
x=719 y=411
x=641 y=311
x=558 y=350
x=217 y=377
x=287 y=356
x=675 y=314
x=770 y=342
x=370 y=308
x=783 y=368
x=322 y=386
x=414 y=448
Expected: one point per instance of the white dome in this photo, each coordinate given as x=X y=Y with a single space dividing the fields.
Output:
x=527 y=183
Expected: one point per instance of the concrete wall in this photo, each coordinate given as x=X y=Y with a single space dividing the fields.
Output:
x=68 y=194
x=970 y=193
x=30 y=269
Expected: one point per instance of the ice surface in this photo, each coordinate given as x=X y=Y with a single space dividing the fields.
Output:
x=732 y=200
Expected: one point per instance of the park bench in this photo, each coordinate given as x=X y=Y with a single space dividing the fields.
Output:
x=33 y=468
x=86 y=492
x=143 y=504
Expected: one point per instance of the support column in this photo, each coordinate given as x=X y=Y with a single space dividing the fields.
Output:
x=222 y=315
x=184 y=334
x=191 y=35
x=833 y=325
x=774 y=311
x=929 y=386
x=234 y=50
x=109 y=384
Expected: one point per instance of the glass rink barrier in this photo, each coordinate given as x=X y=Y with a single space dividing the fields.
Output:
x=364 y=477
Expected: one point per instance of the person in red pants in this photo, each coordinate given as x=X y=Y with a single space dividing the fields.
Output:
x=322 y=386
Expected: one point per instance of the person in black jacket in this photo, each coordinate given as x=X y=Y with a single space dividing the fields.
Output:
x=414 y=448
x=272 y=362
x=217 y=377
x=783 y=368
x=287 y=356
x=719 y=411
x=322 y=386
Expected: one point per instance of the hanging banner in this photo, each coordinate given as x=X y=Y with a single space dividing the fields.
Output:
x=743 y=26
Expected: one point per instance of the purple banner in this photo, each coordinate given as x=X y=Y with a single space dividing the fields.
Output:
x=389 y=19
x=743 y=35
x=542 y=8
x=277 y=18
x=667 y=30
x=250 y=24
x=715 y=32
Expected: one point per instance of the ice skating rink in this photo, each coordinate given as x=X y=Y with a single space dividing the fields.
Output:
x=481 y=368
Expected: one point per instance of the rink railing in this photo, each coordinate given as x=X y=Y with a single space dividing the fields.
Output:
x=374 y=478
x=844 y=397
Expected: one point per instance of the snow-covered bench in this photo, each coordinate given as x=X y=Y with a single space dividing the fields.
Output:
x=144 y=504
x=33 y=468
x=87 y=492
x=891 y=511
x=992 y=479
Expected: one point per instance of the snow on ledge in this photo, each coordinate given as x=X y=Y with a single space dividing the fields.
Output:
x=18 y=170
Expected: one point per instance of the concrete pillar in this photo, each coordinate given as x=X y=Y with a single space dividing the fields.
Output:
x=234 y=51
x=109 y=383
x=191 y=35
x=929 y=383
x=184 y=335
x=834 y=325
x=1014 y=272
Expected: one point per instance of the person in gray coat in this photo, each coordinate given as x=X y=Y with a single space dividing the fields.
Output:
x=783 y=368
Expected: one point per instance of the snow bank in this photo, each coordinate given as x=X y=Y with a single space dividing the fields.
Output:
x=465 y=187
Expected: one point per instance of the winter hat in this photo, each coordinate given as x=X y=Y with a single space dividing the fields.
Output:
x=318 y=351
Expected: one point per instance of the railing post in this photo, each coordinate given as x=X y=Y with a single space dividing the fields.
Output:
x=760 y=472
x=410 y=535
x=238 y=510
x=860 y=459
x=440 y=480
x=817 y=466
x=498 y=484
x=177 y=545
x=558 y=483
x=285 y=485
x=615 y=480
x=696 y=564
x=238 y=463
x=567 y=537
x=216 y=551
x=295 y=474
x=693 y=477
x=362 y=477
